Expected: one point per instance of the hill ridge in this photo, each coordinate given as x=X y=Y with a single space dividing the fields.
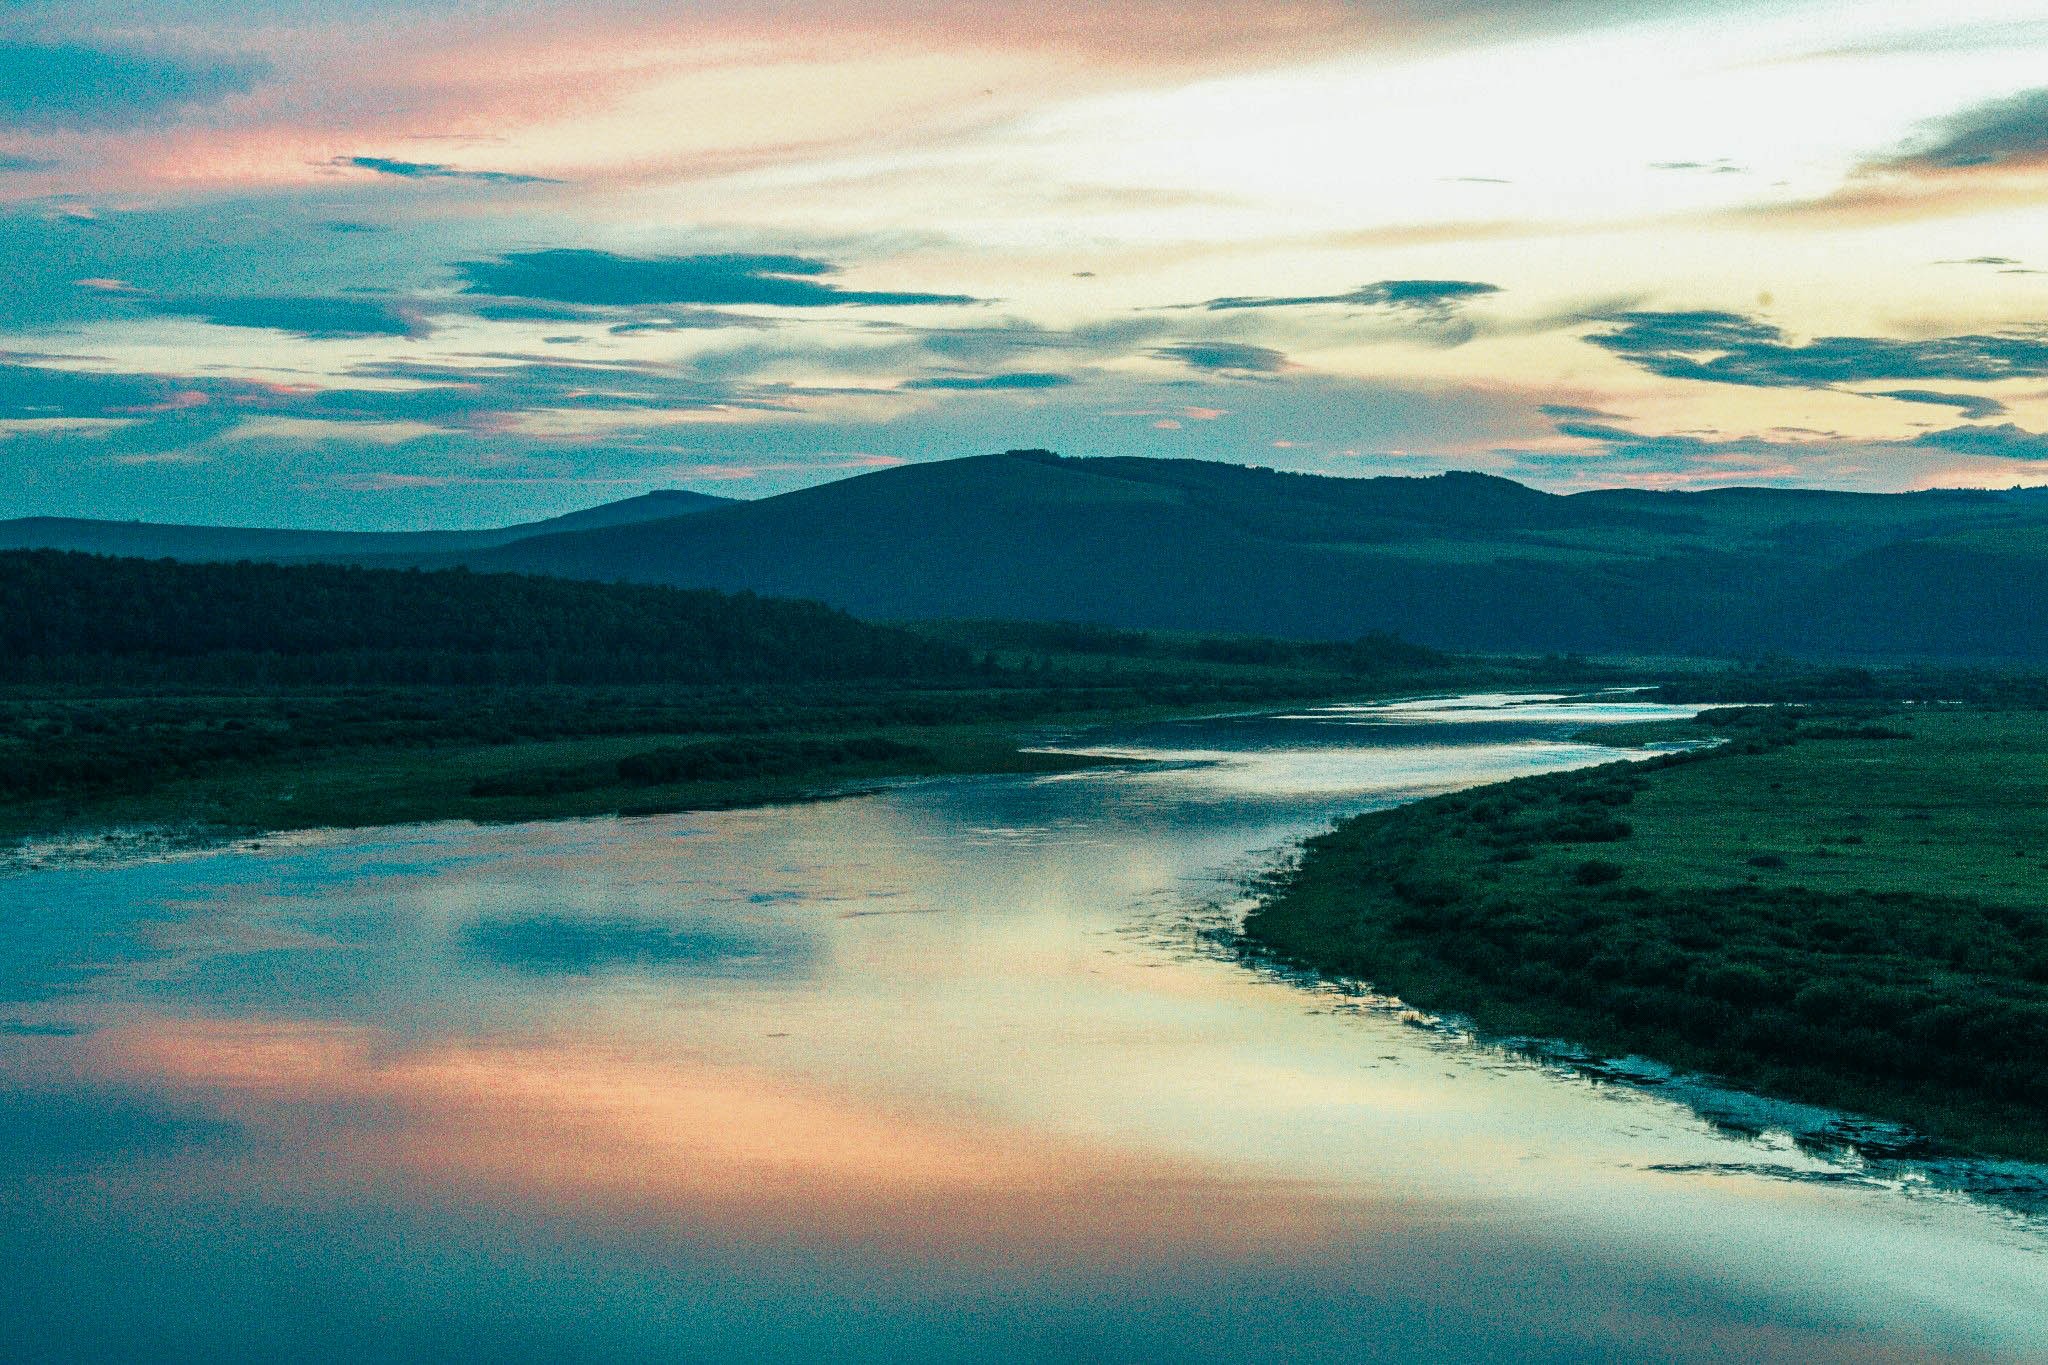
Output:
x=1457 y=560
x=173 y=540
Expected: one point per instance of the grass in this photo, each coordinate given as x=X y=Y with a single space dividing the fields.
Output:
x=1961 y=809
x=1846 y=908
x=84 y=757
x=81 y=759
x=362 y=787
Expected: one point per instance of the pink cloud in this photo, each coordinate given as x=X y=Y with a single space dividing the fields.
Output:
x=178 y=400
x=781 y=80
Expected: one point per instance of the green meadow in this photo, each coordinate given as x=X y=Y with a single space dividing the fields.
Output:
x=1841 y=904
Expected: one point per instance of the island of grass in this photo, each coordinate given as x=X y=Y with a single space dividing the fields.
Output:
x=1841 y=905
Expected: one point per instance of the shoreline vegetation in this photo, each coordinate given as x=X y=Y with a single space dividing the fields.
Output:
x=361 y=759
x=1842 y=903
x=247 y=698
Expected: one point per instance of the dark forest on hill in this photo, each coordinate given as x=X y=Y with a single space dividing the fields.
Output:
x=74 y=618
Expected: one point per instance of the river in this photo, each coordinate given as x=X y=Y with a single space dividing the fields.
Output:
x=957 y=1070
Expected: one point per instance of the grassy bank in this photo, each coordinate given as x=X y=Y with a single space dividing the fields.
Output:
x=243 y=697
x=1849 y=908
x=634 y=773
x=290 y=758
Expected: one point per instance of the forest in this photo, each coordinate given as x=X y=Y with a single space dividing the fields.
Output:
x=77 y=618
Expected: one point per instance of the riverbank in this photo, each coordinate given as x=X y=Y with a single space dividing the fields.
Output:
x=247 y=698
x=1846 y=909
x=274 y=762
x=242 y=763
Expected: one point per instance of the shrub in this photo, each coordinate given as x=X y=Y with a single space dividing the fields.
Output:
x=1596 y=872
x=538 y=782
x=1588 y=829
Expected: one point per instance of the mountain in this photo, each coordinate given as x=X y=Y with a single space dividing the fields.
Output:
x=1456 y=561
x=1464 y=561
x=149 y=540
x=660 y=505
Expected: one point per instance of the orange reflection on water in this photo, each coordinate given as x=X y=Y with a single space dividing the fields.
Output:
x=576 y=1127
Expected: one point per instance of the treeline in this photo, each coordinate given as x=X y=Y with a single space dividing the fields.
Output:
x=711 y=761
x=89 y=619
x=1373 y=653
x=1774 y=681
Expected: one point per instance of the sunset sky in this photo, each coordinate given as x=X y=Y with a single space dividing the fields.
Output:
x=389 y=265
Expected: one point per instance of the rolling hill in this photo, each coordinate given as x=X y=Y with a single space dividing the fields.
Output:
x=1462 y=561
x=151 y=540
x=1456 y=561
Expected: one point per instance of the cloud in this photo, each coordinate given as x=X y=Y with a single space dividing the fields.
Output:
x=11 y=164
x=1785 y=456
x=489 y=396
x=503 y=439
x=602 y=278
x=1429 y=296
x=29 y=392
x=1730 y=348
x=1718 y=166
x=434 y=170
x=274 y=246
x=64 y=85
x=535 y=312
x=1016 y=379
x=314 y=319
x=1988 y=155
x=687 y=320
x=1225 y=357
x=2001 y=133
x=1680 y=459
x=2004 y=441
x=2004 y=265
x=492 y=393
x=1573 y=410
x=1958 y=35
x=1633 y=441
x=1972 y=406
x=727 y=85
x=992 y=344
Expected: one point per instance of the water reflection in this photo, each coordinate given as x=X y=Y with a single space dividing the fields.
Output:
x=927 y=1074
x=556 y=944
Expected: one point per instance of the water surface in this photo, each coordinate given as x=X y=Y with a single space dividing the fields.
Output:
x=945 y=1072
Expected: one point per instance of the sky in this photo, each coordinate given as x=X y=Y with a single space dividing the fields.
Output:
x=469 y=262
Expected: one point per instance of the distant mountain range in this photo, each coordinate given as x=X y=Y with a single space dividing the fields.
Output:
x=1462 y=561
x=151 y=540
